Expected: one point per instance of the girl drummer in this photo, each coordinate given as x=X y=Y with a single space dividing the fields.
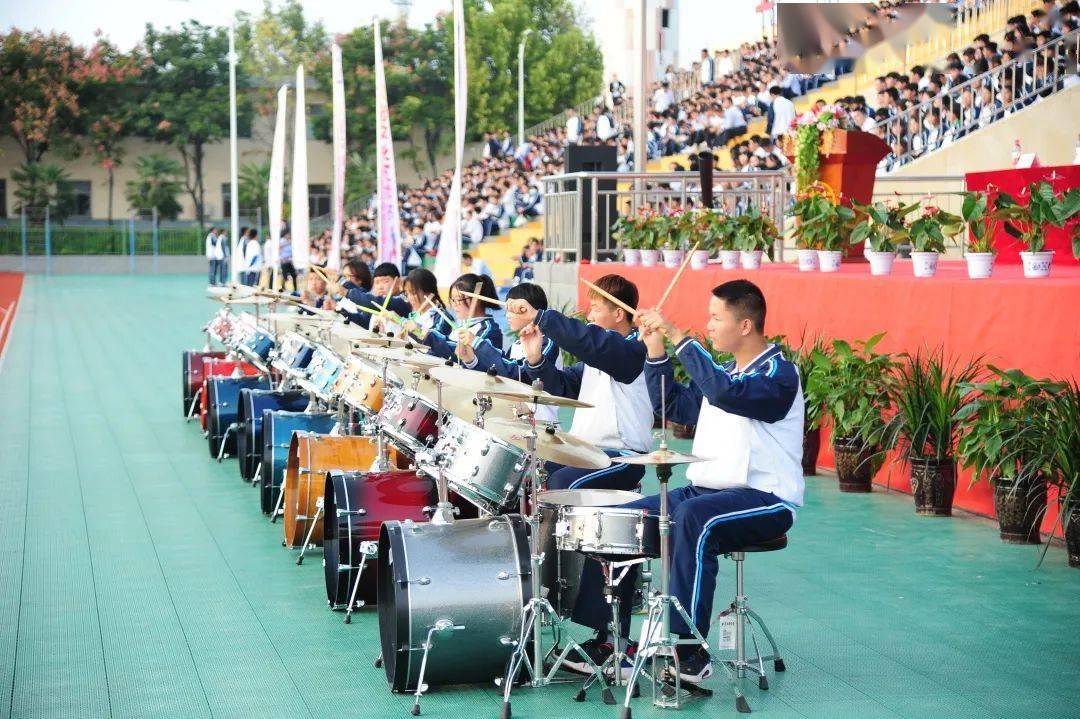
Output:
x=472 y=315
x=422 y=292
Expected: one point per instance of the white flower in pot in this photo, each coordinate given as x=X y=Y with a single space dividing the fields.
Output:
x=631 y=256
x=755 y=233
x=928 y=235
x=1028 y=223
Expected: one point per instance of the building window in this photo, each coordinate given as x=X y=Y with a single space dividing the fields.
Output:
x=81 y=189
x=318 y=200
x=226 y=200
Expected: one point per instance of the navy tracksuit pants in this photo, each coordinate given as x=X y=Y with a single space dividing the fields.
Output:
x=615 y=476
x=705 y=524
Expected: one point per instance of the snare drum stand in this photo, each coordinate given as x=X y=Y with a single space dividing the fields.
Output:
x=538 y=611
x=614 y=574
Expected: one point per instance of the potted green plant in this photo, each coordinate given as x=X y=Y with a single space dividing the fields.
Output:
x=810 y=358
x=882 y=226
x=929 y=234
x=1003 y=441
x=755 y=234
x=855 y=384
x=629 y=231
x=980 y=221
x=671 y=244
x=821 y=228
x=927 y=394
x=1028 y=223
x=654 y=232
x=691 y=229
x=1063 y=435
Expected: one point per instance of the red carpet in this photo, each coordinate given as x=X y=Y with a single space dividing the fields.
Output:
x=10 y=287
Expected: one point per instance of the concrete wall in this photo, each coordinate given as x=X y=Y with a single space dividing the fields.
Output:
x=106 y=265
x=559 y=280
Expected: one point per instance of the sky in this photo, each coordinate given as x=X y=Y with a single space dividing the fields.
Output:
x=124 y=21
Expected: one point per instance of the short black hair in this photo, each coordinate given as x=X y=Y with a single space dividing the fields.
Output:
x=620 y=288
x=531 y=293
x=745 y=300
x=386 y=269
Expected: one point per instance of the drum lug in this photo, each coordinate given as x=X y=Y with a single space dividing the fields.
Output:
x=484 y=450
x=344 y=512
x=475 y=470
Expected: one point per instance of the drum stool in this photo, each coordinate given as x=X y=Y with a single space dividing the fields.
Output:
x=746 y=618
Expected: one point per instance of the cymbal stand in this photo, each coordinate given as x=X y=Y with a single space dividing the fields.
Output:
x=614 y=574
x=382 y=459
x=444 y=511
x=538 y=611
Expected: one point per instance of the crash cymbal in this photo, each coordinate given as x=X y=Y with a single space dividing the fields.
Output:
x=588 y=497
x=478 y=382
x=399 y=356
x=532 y=396
x=373 y=340
x=298 y=317
x=658 y=457
x=551 y=444
x=250 y=300
x=350 y=332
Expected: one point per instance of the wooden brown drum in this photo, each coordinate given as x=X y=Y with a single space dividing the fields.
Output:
x=311 y=456
x=360 y=386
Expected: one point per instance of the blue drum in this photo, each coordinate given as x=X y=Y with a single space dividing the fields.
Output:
x=278 y=427
x=294 y=354
x=322 y=372
x=223 y=400
x=250 y=416
x=257 y=346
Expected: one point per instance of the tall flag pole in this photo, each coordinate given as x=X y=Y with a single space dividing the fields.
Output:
x=338 y=85
x=234 y=184
x=448 y=259
x=299 y=224
x=389 y=219
x=276 y=191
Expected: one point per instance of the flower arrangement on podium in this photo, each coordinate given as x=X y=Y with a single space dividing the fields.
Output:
x=813 y=137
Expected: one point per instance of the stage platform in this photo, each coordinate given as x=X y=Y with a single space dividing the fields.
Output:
x=138 y=578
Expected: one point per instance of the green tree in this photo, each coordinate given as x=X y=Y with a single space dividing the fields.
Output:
x=187 y=99
x=39 y=186
x=360 y=177
x=157 y=186
x=254 y=186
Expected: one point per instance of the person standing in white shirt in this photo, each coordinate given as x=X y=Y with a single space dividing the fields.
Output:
x=782 y=112
x=253 y=258
x=574 y=127
x=215 y=257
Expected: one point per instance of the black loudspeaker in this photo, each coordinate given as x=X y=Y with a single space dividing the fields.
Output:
x=594 y=158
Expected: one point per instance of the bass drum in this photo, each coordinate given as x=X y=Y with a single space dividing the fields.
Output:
x=212 y=367
x=191 y=374
x=223 y=398
x=278 y=428
x=253 y=402
x=473 y=574
x=311 y=456
x=356 y=504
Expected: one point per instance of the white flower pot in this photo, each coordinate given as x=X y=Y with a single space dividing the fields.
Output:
x=880 y=262
x=829 y=260
x=980 y=265
x=632 y=257
x=807 y=260
x=924 y=264
x=750 y=259
x=673 y=258
x=1037 y=264
x=729 y=259
x=699 y=260
x=649 y=258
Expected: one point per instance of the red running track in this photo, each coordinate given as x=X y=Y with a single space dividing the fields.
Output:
x=10 y=288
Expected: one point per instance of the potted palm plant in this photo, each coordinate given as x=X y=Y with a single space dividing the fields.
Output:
x=1028 y=223
x=1004 y=441
x=882 y=225
x=927 y=395
x=854 y=388
x=755 y=234
x=928 y=235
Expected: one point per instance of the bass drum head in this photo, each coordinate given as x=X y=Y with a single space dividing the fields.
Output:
x=249 y=418
x=393 y=601
x=187 y=380
x=278 y=427
x=223 y=395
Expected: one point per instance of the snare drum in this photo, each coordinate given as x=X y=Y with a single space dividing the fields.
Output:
x=311 y=456
x=212 y=367
x=191 y=372
x=360 y=386
x=468 y=581
x=223 y=398
x=322 y=372
x=409 y=419
x=295 y=354
x=221 y=326
x=257 y=345
x=356 y=504
x=479 y=466
x=278 y=428
x=608 y=531
x=253 y=402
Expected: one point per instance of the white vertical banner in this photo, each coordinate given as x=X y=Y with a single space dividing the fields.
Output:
x=299 y=225
x=448 y=259
x=237 y=253
x=338 y=96
x=276 y=192
x=389 y=218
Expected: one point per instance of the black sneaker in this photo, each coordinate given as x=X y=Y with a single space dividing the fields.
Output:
x=595 y=649
x=695 y=665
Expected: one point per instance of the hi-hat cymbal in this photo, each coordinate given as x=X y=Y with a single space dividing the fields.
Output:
x=477 y=382
x=551 y=444
x=532 y=396
x=399 y=356
x=660 y=457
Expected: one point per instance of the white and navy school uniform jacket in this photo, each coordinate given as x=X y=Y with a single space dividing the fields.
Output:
x=442 y=344
x=513 y=365
x=749 y=422
x=609 y=377
x=354 y=293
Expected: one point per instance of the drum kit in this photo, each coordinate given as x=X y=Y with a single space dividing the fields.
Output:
x=424 y=485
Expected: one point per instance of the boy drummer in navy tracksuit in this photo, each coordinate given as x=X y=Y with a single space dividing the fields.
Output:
x=749 y=417
x=386 y=280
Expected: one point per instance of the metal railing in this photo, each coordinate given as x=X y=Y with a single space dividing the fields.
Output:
x=1036 y=73
x=574 y=233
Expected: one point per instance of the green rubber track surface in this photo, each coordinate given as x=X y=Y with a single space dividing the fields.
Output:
x=139 y=579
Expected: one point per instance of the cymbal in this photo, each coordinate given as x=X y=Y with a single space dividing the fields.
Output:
x=659 y=457
x=551 y=444
x=478 y=382
x=249 y=300
x=350 y=332
x=588 y=497
x=533 y=396
x=399 y=356
x=373 y=340
x=297 y=317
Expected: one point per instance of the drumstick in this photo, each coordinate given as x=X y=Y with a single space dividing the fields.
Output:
x=613 y=300
x=482 y=297
x=671 y=285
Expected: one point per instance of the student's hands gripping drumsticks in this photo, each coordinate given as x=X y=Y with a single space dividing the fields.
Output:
x=520 y=313
x=651 y=321
x=532 y=342
x=465 y=352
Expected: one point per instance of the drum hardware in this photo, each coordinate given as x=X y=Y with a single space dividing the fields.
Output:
x=538 y=611
x=225 y=438
x=658 y=642
x=614 y=573
x=368 y=550
x=194 y=403
x=311 y=528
